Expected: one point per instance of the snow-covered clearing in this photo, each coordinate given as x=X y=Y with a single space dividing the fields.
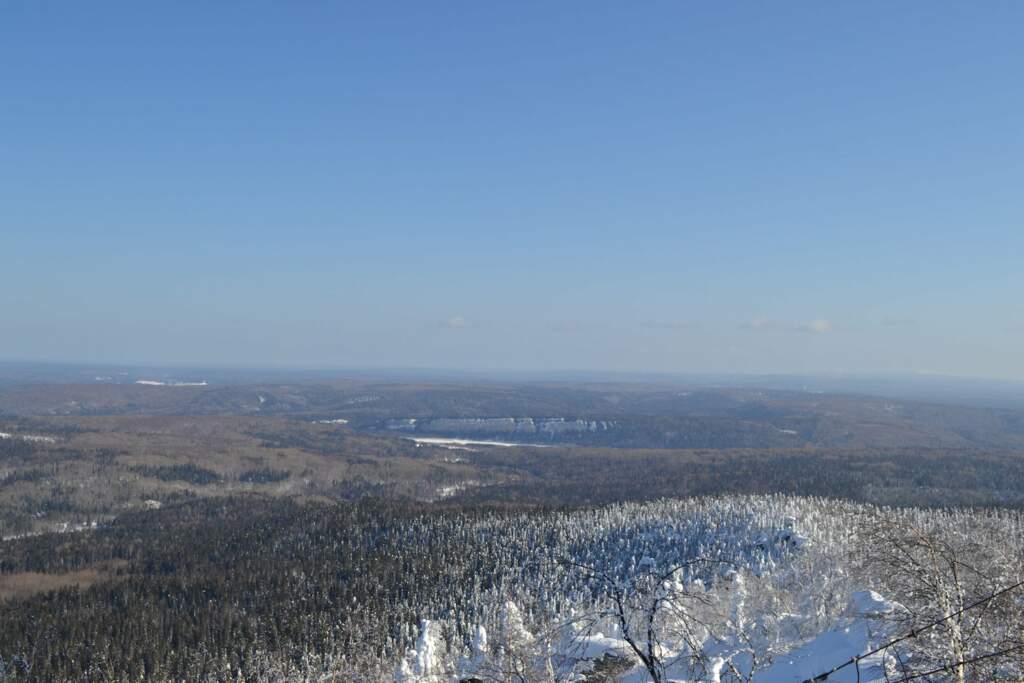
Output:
x=38 y=438
x=444 y=492
x=464 y=444
x=158 y=383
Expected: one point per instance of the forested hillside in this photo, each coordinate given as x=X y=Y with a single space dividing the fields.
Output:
x=662 y=415
x=261 y=590
x=61 y=473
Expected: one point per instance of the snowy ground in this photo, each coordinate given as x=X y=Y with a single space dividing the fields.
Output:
x=861 y=631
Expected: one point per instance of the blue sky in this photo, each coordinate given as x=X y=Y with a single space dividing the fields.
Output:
x=663 y=186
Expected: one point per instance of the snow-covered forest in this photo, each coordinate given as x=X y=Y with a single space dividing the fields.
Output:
x=733 y=589
x=765 y=589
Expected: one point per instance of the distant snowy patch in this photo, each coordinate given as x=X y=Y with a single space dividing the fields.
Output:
x=158 y=383
x=461 y=444
x=362 y=399
x=38 y=438
x=449 y=491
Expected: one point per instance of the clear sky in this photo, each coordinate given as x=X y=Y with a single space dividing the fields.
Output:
x=668 y=186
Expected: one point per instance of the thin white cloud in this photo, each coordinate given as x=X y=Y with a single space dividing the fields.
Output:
x=456 y=322
x=898 y=321
x=816 y=326
x=671 y=324
x=568 y=326
x=819 y=326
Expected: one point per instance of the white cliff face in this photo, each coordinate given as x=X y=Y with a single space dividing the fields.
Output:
x=561 y=425
x=407 y=425
x=490 y=425
x=551 y=426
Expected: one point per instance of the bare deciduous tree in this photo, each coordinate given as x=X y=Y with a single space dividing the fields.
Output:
x=658 y=613
x=937 y=570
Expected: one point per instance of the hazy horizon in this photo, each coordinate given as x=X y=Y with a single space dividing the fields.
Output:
x=483 y=373
x=725 y=189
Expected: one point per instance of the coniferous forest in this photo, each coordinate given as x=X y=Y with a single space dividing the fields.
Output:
x=261 y=589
